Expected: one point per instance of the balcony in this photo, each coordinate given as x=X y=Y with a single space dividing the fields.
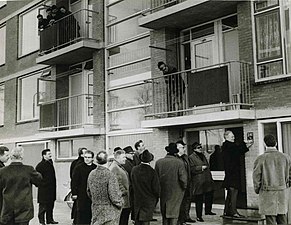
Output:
x=67 y=113
x=181 y=14
x=70 y=40
x=218 y=93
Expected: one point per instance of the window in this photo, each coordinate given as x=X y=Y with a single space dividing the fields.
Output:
x=2 y=44
x=27 y=97
x=28 y=28
x=2 y=88
x=68 y=148
x=272 y=26
x=281 y=130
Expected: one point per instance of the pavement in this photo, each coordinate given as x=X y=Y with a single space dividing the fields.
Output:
x=62 y=214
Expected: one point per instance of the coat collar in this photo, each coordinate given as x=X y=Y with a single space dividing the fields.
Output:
x=16 y=163
x=271 y=149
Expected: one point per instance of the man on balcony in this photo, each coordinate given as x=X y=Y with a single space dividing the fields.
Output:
x=175 y=86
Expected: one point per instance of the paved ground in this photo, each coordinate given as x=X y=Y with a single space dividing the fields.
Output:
x=62 y=215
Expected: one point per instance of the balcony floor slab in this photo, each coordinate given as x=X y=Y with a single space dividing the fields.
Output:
x=214 y=117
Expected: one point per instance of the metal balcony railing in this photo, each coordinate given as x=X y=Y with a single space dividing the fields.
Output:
x=68 y=30
x=67 y=113
x=219 y=87
x=157 y=5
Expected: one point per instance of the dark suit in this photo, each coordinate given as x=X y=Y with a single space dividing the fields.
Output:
x=16 y=189
x=79 y=188
x=46 y=195
x=74 y=164
x=186 y=203
x=232 y=180
x=146 y=188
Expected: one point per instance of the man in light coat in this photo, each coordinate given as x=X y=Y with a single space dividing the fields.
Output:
x=271 y=178
x=173 y=180
x=103 y=190
x=123 y=180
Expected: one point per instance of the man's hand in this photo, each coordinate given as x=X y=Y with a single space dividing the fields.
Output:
x=74 y=197
x=204 y=168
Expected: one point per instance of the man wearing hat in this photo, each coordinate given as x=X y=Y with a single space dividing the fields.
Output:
x=146 y=188
x=184 y=215
x=202 y=182
x=173 y=180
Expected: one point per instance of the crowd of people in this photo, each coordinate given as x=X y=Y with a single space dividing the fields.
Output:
x=109 y=191
x=54 y=13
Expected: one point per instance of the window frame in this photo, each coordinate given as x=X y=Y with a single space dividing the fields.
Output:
x=280 y=9
x=3 y=26
x=20 y=32
x=35 y=116
x=2 y=122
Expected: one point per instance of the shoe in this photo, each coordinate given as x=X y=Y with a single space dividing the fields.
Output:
x=210 y=213
x=190 y=220
x=52 y=222
x=200 y=219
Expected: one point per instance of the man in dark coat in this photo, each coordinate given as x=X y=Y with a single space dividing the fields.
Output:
x=74 y=164
x=173 y=180
x=4 y=155
x=46 y=195
x=146 y=188
x=175 y=84
x=139 y=148
x=79 y=189
x=202 y=182
x=184 y=215
x=232 y=181
x=16 y=190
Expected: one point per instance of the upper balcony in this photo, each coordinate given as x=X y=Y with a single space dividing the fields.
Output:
x=213 y=94
x=180 y=14
x=70 y=40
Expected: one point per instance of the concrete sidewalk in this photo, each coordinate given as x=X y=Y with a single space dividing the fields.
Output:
x=62 y=214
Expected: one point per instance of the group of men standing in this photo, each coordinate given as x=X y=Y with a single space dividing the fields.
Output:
x=16 y=205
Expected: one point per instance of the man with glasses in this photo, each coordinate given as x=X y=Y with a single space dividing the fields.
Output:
x=79 y=189
x=176 y=86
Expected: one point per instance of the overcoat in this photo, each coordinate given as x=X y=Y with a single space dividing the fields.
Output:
x=173 y=180
x=103 y=190
x=202 y=181
x=146 y=188
x=47 y=188
x=79 y=188
x=271 y=178
x=74 y=164
x=123 y=180
x=16 y=189
x=231 y=155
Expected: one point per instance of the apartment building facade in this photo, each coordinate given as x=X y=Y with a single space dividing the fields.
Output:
x=100 y=86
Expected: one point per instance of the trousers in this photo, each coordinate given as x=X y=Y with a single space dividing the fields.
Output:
x=46 y=210
x=230 y=202
x=199 y=199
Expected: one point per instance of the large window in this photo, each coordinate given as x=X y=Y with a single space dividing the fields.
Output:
x=2 y=44
x=68 y=148
x=28 y=32
x=27 y=97
x=2 y=88
x=281 y=130
x=272 y=27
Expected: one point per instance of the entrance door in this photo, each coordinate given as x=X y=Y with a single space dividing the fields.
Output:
x=212 y=140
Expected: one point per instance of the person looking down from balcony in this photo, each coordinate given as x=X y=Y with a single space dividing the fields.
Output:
x=42 y=22
x=176 y=86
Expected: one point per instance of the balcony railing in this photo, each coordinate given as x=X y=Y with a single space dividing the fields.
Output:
x=157 y=5
x=70 y=29
x=215 y=88
x=67 y=113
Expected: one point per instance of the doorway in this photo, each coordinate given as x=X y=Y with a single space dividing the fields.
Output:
x=212 y=139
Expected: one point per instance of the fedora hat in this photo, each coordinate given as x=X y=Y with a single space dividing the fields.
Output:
x=172 y=148
x=146 y=156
